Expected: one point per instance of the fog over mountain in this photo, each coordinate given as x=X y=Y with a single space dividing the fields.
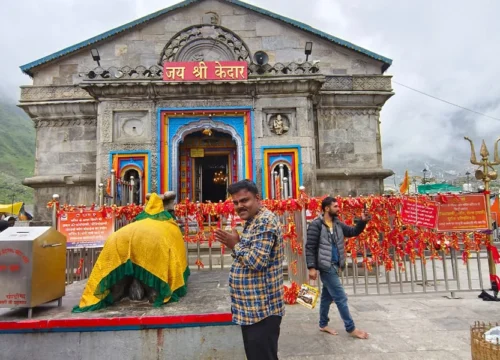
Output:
x=448 y=49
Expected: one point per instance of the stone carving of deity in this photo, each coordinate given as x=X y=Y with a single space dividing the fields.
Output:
x=198 y=57
x=279 y=125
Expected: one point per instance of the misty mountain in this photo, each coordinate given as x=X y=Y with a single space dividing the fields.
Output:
x=17 y=153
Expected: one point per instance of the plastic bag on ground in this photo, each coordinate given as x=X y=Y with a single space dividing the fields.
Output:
x=493 y=335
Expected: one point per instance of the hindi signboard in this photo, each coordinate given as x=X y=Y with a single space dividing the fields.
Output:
x=85 y=229
x=205 y=70
x=197 y=153
x=463 y=213
x=419 y=213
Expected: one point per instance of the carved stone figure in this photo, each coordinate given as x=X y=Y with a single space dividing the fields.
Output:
x=279 y=125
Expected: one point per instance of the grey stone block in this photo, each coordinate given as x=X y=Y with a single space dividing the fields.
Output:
x=78 y=157
x=82 y=133
x=337 y=148
x=343 y=122
x=88 y=169
x=288 y=55
x=237 y=22
x=154 y=28
x=265 y=27
x=279 y=42
x=365 y=147
x=332 y=136
x=141 y=47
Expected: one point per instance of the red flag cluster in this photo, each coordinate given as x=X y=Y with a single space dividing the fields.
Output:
x=386 y=240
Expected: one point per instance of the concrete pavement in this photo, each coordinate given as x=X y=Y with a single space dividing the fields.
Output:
x=401 y=327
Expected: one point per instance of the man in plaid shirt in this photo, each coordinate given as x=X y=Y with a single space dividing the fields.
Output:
x=256 y=276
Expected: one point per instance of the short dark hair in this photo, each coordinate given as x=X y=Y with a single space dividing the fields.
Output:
x=246 y=184
x=327 y=202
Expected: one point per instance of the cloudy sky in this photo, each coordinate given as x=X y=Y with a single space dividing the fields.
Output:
x=447 y=48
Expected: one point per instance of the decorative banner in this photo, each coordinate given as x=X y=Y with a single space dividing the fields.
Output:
x=463 y=213
x=209 y=70
x=419 y=213
x=85 y=229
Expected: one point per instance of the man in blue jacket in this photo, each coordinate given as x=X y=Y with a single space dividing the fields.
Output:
x=325 y=252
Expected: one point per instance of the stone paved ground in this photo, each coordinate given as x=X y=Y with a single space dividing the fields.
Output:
x=401 y=327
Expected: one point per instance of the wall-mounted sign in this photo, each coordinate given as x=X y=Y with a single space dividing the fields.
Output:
x=197 y=153
x=463 y=213
x=209 y=70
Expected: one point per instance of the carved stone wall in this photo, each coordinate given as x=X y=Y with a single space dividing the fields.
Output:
x=240 y=30
x=131 y=127
x=348 y=137
x=65 y=137
x=349 y=149
x=65 y=162
x=115 y=113
x=358 y=83
x=53 y=93
x=280 y=122
x=349 y=185
x=205 y=43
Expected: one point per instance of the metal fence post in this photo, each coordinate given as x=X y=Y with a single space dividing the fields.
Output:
x=113 y=186
x=101 y=194
x=55 y=199
x=285 y=188
x=131 y=190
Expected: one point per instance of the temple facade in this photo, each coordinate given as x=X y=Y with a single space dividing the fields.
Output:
x=202 y=94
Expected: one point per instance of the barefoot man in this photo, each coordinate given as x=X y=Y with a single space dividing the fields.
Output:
x=325 y=252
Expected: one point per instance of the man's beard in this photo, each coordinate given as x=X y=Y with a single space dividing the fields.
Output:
x=332 y=215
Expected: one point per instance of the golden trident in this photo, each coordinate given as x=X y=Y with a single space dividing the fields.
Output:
x=485 y=172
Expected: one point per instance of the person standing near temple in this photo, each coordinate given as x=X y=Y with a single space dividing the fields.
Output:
x=325 y=253
x=256 y=275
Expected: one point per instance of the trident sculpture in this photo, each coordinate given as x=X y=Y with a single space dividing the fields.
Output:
x=485 y=172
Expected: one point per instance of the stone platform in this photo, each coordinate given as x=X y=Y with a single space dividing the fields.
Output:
x=199 y=326
x=407 y=327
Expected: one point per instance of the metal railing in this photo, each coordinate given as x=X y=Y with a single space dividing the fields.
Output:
x=121 y=192
x=446 y=274
x=435 y=272
x=281 y=185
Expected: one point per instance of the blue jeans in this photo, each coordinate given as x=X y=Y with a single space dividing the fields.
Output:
x=334 y=291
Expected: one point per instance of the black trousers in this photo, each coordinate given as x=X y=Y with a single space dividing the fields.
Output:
x=261 y=339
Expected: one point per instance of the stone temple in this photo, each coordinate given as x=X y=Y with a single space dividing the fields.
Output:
x=157 y=100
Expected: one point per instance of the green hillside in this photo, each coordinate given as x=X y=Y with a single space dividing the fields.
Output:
x=17 y=154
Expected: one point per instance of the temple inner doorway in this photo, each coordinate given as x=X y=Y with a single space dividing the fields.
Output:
x=213 y=177
x=208 y=165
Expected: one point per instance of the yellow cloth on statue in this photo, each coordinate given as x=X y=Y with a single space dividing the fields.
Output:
x=150 y=250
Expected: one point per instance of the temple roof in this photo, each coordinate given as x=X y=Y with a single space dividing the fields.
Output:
x=108 y=34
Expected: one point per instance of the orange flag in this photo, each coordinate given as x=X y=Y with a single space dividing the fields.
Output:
x=405 y=186
x=108 y=186
x=115 y=164
x=495 y=209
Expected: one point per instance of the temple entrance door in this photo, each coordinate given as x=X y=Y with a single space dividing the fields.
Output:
x=208 y=164
x=212 y=177
x=198 y=182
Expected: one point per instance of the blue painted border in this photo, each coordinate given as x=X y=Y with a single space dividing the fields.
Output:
x=114 y=328
x=126 y=152
x=218 y=108
x=284 y=147
x=287 y=159
x=27 y=67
